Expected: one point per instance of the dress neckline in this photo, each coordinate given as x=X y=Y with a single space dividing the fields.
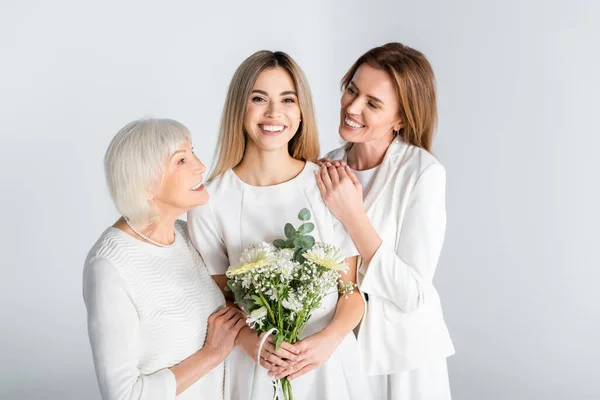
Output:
x=295 y=179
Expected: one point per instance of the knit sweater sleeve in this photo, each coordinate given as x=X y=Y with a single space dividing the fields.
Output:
x=113 y=327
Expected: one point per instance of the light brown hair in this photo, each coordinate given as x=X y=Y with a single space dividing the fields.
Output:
x=414 y=82
x=231 y=144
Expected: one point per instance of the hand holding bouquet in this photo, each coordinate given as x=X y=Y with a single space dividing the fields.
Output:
x=280 y=285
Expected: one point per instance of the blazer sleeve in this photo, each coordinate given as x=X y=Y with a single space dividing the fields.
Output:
x=113 y=327
x=206 y=238
x=404 y=275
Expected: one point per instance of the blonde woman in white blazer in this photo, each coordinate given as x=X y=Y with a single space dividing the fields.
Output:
x=389 y=192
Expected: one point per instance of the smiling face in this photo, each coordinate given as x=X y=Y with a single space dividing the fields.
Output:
x=272 y=113
x=181 y=188
x=369 y=107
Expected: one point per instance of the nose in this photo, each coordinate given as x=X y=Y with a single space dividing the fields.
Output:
x=273 y=109
x=200 y=168
x=354 y=106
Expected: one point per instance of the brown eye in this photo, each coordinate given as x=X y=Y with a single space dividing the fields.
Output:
x=181 y=162
x=258 y=99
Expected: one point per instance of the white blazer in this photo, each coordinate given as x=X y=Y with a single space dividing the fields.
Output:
x=403 y=327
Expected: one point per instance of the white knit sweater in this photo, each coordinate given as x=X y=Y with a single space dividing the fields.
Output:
x=148 y=310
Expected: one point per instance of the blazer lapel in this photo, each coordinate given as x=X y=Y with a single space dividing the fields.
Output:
x=384 y=173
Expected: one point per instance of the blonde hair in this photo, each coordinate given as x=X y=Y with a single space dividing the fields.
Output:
x=231 y=144
x=415 y=86
x=135 y=160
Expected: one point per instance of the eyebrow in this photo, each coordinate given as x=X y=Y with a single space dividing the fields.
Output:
x=369 y=96
x=178 y=151
x=287 y=92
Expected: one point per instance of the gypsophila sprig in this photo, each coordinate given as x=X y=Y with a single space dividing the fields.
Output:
x=280 y=285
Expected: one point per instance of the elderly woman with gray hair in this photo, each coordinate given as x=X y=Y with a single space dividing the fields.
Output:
x=157 y=322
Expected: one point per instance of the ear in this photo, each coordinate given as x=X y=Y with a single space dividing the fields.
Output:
x=398 y=125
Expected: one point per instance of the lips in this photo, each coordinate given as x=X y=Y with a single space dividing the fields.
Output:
x=198 y=187
x=352 y=123
x=271 y=129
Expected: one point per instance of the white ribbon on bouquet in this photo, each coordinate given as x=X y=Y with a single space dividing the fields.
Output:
x=278 y=392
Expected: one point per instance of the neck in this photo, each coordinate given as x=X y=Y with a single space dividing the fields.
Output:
x=161 y=229
x=267 y=168
x=367 y=155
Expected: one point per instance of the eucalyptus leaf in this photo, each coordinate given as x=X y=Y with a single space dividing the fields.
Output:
x=304 y=215
x=307 y=227
x=299 y=241
x=280 y=244
x=298 y=255
x=308 y=242
x=289 y=230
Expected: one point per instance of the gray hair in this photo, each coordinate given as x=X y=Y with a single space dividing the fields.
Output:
x=134 y=162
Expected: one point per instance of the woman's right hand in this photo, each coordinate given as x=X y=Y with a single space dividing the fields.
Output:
x=270 y=359
x=223 y=328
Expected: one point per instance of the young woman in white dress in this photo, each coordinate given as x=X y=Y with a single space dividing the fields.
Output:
x=157 y=322
x=388 y=190
x=262 y=179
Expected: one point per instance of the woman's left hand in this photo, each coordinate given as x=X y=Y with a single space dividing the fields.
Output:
x=341 y=190
x=314 y=351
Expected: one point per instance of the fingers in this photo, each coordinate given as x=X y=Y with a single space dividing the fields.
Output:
x=293 y=369
x=218 y=313
x=323 y=161
x=333 y=174
x=351 y=175
x=302 y=371
x=239 y=325
x=273 y=359
x=326 y=179
x=293 y=350
x=282 y=352
x=320 y=184
x=232 y=315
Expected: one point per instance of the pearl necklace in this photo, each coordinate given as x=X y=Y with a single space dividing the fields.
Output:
x=146 y=238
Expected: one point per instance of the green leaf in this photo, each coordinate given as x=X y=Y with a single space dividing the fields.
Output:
x=280 y=244
x=298 y=255
x=257 y=300
x=306 y=228
x=298 y=242
x=304 y=214
x=289 y=230
x=279 y=342
x=305 y=242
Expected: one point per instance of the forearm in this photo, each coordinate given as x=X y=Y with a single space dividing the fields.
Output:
x=347 y=316
x=194 y=367
x=221 y=281
x=363 y=234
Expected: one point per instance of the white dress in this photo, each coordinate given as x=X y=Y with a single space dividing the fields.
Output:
x=239 y=215
x=148 y=310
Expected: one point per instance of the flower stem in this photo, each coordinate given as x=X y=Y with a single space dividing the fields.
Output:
x=268 y=308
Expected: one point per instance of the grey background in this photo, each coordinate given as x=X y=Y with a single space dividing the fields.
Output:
x=518 y=98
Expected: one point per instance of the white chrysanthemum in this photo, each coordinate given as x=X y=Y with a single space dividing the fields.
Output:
x=257 y=317
x=292 y=303
x=252 y=258
x=326 y=256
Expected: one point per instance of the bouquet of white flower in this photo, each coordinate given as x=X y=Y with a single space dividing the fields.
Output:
x=279 y=285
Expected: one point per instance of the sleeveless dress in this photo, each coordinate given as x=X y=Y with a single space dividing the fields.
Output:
x=239 y=215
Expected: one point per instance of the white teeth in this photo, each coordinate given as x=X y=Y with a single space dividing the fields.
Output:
x=272 y=128
x=197 y=186
x=352 y=123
